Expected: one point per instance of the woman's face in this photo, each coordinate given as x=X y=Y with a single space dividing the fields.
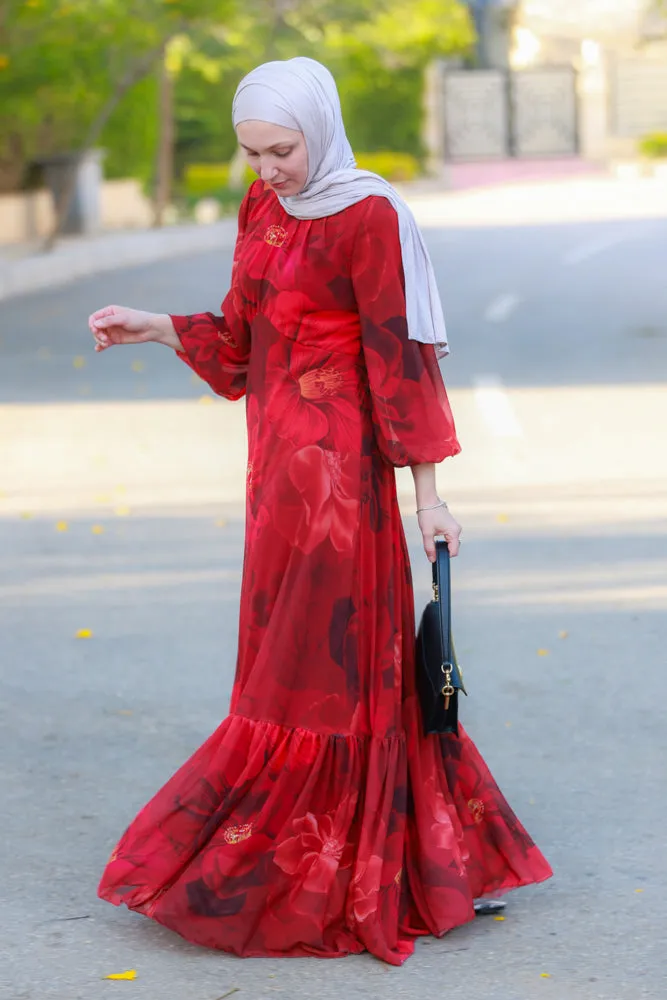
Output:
x=278 y=155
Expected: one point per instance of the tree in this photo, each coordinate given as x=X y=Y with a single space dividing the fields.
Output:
x=377 y=49
x=65 y=66
x=381 y=67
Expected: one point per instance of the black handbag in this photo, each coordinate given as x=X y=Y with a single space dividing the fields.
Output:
x=439 y=677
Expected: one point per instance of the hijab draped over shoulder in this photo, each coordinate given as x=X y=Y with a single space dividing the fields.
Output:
x=301 y=94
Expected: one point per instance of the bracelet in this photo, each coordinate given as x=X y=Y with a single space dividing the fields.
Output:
x=434 y=507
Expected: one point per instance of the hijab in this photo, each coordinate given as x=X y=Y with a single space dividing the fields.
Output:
x=301 y=94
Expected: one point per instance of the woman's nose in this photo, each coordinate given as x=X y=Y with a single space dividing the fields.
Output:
x=268 y=171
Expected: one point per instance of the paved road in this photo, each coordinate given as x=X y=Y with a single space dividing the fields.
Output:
x=558 y=377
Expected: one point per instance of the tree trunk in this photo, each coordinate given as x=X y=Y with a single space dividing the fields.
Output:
x=164 y=172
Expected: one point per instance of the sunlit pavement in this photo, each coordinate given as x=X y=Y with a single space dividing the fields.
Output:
x=121 y=489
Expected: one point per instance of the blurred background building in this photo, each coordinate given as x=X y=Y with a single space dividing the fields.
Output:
x=555 y=78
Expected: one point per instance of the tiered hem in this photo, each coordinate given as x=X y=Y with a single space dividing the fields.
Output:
x=274 y=841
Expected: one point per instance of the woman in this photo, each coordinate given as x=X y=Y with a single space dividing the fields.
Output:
x=317 y=819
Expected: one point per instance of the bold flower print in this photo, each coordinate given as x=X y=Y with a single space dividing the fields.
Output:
x=317 y=850
x=365 y=888
x=312 y=398
x=318 y=499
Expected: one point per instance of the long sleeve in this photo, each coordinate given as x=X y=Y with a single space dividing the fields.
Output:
x=217 y=348
x=411 y=414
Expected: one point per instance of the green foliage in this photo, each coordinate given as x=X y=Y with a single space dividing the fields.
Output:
x=380 y=68
x=382 y=109
x=211 y=180
x=208 y=179
x=392 y=166
x=62 y=62
x=130 y=137
x=377 y=49
x=206 y=81
x=654 y=146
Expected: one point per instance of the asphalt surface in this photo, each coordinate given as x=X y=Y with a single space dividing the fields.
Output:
x=121 y=512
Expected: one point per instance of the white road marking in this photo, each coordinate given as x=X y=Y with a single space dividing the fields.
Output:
x=585 y=251
x=501 y=308
x=495 y=407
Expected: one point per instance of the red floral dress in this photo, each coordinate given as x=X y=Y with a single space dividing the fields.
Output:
x=317 y=820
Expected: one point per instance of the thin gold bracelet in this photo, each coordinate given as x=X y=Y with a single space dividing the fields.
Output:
x=434 y=507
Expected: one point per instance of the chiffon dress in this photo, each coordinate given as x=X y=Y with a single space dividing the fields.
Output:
x=317 y=819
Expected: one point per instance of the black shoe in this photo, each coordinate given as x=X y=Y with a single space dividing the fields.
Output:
x=489 y=907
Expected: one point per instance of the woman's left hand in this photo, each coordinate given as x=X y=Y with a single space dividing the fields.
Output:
x=439 y=522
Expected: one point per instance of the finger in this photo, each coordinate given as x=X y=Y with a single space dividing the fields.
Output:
x=102 y=313
x=453 y=544
x=429 y=547
x=105 y=322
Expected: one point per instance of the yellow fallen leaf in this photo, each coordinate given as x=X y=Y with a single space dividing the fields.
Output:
x=639 y=890
x=130 y=974
x=125 y=711
x=545 y=975
x=563 y=635
x=502 y=518
x=26 y=515
x=97 y=529
x=79 y=361
x=508 y=725
x=499 y=918
x=137 y=366
x=84 y=633
x=122 y=511
x=206 y=399
x=531 y=802
x=543 y=652
x=62 y=526
x=221 y=523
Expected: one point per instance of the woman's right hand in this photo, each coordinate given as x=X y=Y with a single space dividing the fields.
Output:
x=121 y=325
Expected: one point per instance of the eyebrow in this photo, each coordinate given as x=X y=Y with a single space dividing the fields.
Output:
x=277 y=145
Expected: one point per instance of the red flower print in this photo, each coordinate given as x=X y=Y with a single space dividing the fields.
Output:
x=317 y=850
x=365 y=888
x=310 y=397
x=320 y=499
x=446 y=830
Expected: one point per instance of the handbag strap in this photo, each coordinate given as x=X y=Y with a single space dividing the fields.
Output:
x=442 y=580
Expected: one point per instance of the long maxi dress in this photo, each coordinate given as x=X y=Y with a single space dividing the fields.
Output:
x=317 y=819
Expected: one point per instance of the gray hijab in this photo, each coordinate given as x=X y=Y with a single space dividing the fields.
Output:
x=301 y=94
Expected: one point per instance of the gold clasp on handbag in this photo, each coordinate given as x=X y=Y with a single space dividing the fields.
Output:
x=447 y=689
